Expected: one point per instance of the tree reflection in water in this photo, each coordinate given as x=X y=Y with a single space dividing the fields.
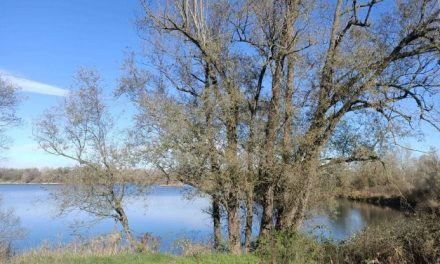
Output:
x=347 y=218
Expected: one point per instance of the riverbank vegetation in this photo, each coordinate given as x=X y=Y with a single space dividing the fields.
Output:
x=399 y=181
x=412 y=240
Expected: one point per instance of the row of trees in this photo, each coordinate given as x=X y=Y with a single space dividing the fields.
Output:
x=20 y=175
x=67 y=175
x=253 y=101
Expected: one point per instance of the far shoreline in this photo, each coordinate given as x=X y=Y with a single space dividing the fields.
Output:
x=30 y=183
x=60 y=183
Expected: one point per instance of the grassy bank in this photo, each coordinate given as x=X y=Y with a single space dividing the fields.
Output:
x=155 y=258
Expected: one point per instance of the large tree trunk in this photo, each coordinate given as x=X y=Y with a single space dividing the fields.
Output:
x=267 y=217
x=267 y=177
x=234 y=181
x=250 y=181
x=301 y=207
x=249 y=219
x=211 y=87
x=286 y=145
x=216 y=217
x=296 y=198
x=288 y=114
x=234 y=225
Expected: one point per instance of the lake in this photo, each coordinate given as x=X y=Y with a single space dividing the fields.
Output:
x=166 y=212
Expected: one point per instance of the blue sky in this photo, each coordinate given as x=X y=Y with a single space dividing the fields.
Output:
x=43 y=43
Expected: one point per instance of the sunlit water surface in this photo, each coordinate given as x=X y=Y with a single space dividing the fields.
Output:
x=166 y=212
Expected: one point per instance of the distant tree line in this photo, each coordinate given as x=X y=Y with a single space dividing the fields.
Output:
x=22 y=175
x=66 y=175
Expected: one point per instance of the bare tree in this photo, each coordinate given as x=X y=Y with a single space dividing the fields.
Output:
x=210 y=103
x=252 y=100
x=392 y=69
x=81 y=129
x=8 y=103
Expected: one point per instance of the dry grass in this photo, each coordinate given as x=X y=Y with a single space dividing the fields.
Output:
x=186 y=247
x=105 y=245
x=5 y=252
x=111 y=249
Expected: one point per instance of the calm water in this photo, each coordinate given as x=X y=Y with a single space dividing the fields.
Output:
x=166 y=212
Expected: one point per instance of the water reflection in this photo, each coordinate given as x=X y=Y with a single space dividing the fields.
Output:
x=10 y=229
x=167 y=213
x=348 y=218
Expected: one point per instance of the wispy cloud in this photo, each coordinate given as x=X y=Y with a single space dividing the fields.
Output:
x=34 y=86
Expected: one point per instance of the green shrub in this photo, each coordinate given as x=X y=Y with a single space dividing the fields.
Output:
x=406 y=241
x=291 y=247
x=411 y=240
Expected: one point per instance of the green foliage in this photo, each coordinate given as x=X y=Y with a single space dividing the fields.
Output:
x=291 y=247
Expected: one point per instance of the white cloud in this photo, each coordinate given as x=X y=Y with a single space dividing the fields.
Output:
x=34 y=86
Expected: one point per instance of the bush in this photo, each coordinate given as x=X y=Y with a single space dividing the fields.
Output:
x=292 y=247
x=5 y=252
x=407 y=241
x=412 y=240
